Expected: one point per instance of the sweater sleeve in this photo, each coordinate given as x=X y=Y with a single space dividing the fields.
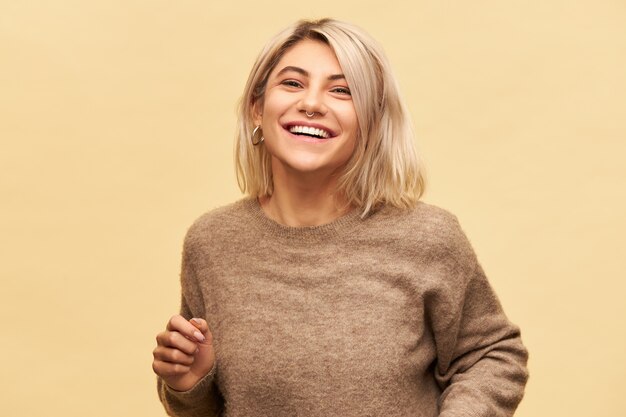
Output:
x=481 y=361
x=204 y=398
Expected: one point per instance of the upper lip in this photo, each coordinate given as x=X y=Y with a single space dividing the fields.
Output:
x=331 y=132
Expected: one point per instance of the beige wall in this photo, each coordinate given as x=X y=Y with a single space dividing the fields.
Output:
x=116 y=123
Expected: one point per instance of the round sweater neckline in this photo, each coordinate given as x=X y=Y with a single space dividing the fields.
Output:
x=337 y=227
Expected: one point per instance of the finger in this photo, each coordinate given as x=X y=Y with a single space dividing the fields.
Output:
x=170 y=355
x=169 y=369
x=199 y=324
x=175 y=340
x=203 y=327
x=180 y=324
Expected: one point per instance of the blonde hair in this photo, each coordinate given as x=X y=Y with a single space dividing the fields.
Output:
x=384 y=168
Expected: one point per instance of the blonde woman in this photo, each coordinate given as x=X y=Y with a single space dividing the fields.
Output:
x=331 y=290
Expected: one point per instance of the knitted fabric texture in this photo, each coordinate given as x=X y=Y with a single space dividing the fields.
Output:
x=388 y=315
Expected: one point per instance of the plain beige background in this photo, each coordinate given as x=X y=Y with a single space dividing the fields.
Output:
x=116 y=126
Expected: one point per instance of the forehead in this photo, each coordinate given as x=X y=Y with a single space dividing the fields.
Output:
x=313 y=56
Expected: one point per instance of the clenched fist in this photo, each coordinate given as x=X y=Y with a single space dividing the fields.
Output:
x=184 y=352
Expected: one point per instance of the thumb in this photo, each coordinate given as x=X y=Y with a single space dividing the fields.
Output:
x=205 y=355
x=203 y=327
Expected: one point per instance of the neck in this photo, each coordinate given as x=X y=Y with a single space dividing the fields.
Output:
x=299 y=203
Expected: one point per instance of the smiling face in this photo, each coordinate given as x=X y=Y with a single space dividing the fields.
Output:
x=307 y=113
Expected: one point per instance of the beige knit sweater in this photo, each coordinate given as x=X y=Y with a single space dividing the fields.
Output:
x=390 y=315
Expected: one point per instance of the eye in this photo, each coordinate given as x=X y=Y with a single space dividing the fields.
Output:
x=291 y=83
x=342 y=90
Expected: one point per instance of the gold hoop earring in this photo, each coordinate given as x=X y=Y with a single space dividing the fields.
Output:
x=254 y=132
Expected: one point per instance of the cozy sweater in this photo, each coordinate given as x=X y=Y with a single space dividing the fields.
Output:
x=387 y=315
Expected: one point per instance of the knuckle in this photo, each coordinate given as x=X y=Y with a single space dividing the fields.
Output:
x=156 y=368
x=161 y=338
x=158 y=353
x=188 y=348
x=176 y=356
x=192 y=349
x=171 y=323
x=184 y=358
x=179 y=369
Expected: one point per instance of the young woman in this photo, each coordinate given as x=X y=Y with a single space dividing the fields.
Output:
x=331 y=290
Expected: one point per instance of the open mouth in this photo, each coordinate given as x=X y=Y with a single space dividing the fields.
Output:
x=310 y=131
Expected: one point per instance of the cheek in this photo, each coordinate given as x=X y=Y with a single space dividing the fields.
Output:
x=268 y=117
x=353 y=126
x=349 y=146
x=275 y=102
x=350 y=119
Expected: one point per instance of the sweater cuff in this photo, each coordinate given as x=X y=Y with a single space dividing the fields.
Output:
x=197 y=391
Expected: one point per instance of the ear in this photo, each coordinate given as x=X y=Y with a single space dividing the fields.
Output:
x=257 y=112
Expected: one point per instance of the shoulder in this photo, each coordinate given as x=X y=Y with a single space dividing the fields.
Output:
x=217 y=224
x=423 y=219
x=425 y=227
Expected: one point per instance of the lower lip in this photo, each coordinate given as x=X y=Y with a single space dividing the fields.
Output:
x=308 y=139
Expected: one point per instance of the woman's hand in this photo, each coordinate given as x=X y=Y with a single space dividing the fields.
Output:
x=184 y=352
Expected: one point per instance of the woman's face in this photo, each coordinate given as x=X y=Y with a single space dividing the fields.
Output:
x=308 y=79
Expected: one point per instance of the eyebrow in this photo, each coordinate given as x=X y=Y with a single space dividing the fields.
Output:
x=306 y=73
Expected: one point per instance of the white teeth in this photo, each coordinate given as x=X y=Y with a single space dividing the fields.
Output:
x=307 y=130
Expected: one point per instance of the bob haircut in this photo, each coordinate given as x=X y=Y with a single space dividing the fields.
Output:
x=384 y=168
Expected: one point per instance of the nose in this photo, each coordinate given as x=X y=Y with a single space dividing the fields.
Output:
x=312 y=101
